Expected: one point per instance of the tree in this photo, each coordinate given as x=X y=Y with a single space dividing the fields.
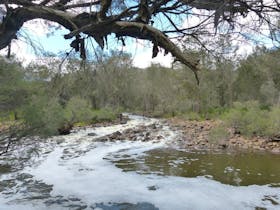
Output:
x=140 y=19
x=258 y=77
x=13 y=91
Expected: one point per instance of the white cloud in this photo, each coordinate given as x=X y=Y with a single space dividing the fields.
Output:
x=141 y=51
x=37 y=26
x=246 y=35
x=22 y=50
x=196 y=18
x=144 y=59
x=142 y=55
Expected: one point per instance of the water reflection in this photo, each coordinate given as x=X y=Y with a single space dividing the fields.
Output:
x=235 y=168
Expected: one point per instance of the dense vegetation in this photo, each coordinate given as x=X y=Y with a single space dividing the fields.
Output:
x=245 y=94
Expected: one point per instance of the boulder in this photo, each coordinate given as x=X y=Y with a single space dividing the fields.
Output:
x=92 y=134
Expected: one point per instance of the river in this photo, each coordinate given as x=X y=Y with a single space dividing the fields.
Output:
x=78 y=172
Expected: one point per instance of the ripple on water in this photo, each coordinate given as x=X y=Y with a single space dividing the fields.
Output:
x=235 y=169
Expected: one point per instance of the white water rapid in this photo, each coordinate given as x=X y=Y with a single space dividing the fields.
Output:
x=78 y=173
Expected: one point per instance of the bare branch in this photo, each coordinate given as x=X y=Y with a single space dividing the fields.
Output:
x=133 y=19
x=61 y=3
x=140 y=31
x=45 y=2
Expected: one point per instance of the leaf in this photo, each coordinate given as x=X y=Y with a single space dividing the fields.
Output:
x=155 y=51
x=99 y=40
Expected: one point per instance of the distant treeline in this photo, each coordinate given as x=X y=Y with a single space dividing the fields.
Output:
x=40 y=98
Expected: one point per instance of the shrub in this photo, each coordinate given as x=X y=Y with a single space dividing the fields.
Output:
x=274 y=122
x=218 y=134
x=78 y=110
x=249 y=119
x=214 y=113
x=44 y=116
x=103 y=115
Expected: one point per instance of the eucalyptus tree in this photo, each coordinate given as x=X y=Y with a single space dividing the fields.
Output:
x=258 y=78
x=13 y=91
x=163 y=22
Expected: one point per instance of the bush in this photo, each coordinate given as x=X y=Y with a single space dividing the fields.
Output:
x=103 y=115
x=44 y=116
x=218 y=134
x=214 y=113
x=249 y=119
x=78 y=110
x=274 y=122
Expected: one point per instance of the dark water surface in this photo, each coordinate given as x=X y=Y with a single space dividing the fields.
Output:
x=234 y=168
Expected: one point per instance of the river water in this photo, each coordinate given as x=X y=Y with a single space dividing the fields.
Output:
x=78 y=172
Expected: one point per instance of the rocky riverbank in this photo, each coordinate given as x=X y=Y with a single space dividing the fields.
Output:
x=192 y=135
x=143 y=133
x=198 y=135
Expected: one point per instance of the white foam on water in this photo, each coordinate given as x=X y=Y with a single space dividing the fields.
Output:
x=103 y=182
x=102 y=131
x=94 y=179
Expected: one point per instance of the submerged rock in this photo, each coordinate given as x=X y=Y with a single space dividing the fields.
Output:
x=102 y=139
x=153 y=188
x=92 y=134
x=5 y=168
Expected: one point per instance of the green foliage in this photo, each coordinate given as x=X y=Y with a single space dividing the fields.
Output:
x=97 y=90
x=268 y=93
x=78 y=110
x=44 y=116
x=13 y=90
x=249 y=119
x=218 y=134
x=103 y=115
x=259 y=78
x=273 y=127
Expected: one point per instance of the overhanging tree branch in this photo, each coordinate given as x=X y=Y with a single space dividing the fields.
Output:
x=135 y=20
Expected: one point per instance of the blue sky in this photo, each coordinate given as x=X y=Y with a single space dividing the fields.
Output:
x=140 y=50
x=54 y=42
x=50 y=43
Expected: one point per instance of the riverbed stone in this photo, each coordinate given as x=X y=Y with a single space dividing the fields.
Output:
x=197 y=132
x=153 y=188
x=102 y=139
x=275 y=150
x=92 y=134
